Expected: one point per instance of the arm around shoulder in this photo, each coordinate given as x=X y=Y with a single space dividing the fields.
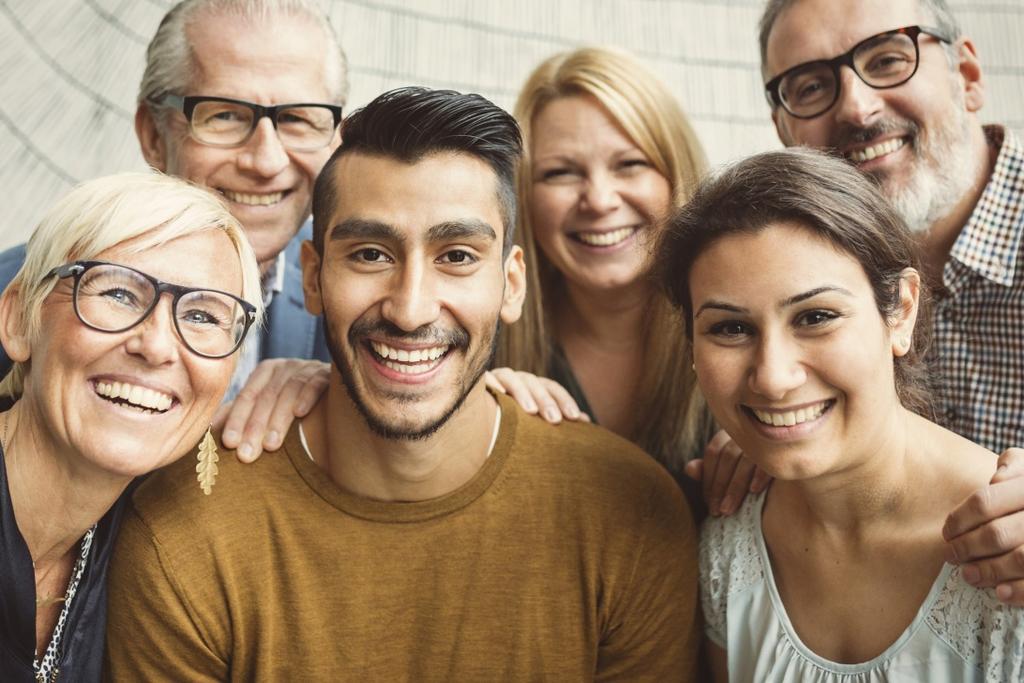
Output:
x=153 y=632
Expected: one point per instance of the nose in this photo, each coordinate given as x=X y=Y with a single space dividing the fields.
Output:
x=155 y=340
x=777 y=369
x=263 y=153
x=858 y=102
x=411 y=302
x=600 y=194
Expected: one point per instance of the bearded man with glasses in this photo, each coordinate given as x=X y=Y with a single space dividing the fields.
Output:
x=895 y=88
x=245 y=98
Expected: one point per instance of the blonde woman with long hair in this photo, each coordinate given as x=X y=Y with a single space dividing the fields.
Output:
x=608 y=155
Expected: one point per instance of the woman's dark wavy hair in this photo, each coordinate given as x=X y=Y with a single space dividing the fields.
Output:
x=828 y=197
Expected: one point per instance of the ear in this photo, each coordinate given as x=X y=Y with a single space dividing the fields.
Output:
x=905 y=316
x=151 y=142
x=13 y=332
x=971 y=74
x=311 y=262
x=515 y=286
x=780 y=128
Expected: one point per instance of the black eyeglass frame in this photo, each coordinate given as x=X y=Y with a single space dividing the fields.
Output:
x=846 y=59
x=77 y=269
x=188 y=103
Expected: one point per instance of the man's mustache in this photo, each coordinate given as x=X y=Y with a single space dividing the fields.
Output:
x=434 y=335
x=848 y=134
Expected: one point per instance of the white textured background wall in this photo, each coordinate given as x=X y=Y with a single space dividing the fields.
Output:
x=69 y=70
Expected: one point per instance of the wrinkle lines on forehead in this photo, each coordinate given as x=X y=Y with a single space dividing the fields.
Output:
x=365 y=229
x=715 y=304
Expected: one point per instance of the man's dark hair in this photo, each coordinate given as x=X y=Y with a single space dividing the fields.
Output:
x=407 y=124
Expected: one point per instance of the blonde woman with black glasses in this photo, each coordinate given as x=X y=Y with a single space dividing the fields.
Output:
x=123 y=322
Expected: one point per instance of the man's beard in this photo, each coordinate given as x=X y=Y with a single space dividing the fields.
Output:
x=456 y=339
x=943 y=169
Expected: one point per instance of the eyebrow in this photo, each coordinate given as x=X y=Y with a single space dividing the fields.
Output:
x=469 y=228
x=362 y=229
x=798 y=298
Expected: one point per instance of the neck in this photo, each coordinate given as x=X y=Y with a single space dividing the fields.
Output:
x=368 y=465
x=605 y=318
x=938 y=241
x=875 y=491
x=56 y=498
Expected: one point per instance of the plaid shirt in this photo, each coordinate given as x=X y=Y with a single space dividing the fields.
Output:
x=978 y=349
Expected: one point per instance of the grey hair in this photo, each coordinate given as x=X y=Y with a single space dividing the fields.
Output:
x=941 y=16
x=169 y=67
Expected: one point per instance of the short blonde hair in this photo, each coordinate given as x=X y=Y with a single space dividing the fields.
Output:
x=149 y=209
x=669 y=417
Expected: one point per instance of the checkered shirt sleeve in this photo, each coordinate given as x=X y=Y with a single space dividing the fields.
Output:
x=978 y=348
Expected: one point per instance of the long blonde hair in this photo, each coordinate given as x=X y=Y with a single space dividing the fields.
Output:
x=669 y=411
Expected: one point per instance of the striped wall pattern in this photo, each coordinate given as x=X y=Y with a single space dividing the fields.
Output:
x=71 y=69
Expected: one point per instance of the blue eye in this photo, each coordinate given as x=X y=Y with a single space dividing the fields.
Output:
x=121 y=296
x=197 y=317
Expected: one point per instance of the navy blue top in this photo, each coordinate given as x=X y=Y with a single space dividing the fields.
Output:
x=81 y=655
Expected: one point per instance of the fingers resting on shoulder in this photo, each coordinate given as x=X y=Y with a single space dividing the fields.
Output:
x=536 y=395
x=726 y=476
x=985 y=533
x=278 y=391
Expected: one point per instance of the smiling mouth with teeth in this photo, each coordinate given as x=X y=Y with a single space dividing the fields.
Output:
x=252 y=199
x=869 y=153
x=605 y=239
x=790 y=418
x=408 y=362
x=131 y=395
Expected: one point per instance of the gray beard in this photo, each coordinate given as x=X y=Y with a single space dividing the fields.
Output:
x=941 y=180
x=945 y=171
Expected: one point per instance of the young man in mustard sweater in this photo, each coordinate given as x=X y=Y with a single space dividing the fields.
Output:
x=417 y=526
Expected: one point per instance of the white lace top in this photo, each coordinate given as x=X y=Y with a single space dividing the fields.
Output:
x=960 y=633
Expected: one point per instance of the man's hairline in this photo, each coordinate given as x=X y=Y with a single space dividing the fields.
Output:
x=342 y=154
x=928 y=16
x=160 y=113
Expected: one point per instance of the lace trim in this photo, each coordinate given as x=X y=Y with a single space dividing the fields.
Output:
x=729 y=562
x=979 y=628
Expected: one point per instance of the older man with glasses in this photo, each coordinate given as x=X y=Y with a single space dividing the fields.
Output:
x=894 y=87
x=245 y=99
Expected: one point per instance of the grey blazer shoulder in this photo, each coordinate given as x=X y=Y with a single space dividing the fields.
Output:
x=10 y=262
x=289 y=331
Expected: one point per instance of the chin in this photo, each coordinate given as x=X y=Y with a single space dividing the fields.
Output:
x=416 y=423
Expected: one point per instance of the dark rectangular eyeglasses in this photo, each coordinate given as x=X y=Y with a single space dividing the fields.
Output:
x=224 y=122
x=109 y=297
x=884 y=60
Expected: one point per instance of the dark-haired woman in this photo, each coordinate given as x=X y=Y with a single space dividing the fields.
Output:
x=802 y=297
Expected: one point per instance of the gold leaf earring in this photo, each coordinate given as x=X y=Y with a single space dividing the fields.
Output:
x=207 y=467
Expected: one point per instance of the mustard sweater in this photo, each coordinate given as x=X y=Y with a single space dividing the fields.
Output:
x=570 y=556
